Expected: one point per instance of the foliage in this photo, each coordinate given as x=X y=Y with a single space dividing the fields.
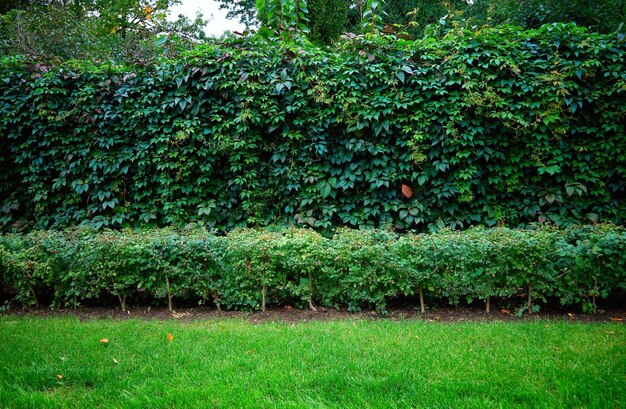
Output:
x=244 y=10
x=122 y=30
x=251 y=268
x=603 y=16
x=414 y=17
x=327 y=20
x=283 y=14
x=498 y=126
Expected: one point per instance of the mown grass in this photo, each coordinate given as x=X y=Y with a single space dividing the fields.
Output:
x=338 y=364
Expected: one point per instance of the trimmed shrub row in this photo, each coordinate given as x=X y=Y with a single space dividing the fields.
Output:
x=249 y=268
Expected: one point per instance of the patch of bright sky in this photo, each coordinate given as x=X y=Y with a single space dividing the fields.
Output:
x=210 y=9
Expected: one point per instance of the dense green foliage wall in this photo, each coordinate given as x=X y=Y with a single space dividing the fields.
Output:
x=249 y=268
x=495 y=126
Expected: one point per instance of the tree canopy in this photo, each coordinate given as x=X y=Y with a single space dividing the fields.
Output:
x=101 y=30
x=329 y=18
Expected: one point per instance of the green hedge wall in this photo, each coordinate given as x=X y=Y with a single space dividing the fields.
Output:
x=249 y=268
x=495 y=126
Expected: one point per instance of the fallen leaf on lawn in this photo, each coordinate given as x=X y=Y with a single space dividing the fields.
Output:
x=59 y=377
x=616 y=319
x=104 y=341
x=250 y=351
x=115 y=360
x=505 y=311
x=170 y=337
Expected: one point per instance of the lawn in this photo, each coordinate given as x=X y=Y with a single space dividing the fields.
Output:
x=60 y=362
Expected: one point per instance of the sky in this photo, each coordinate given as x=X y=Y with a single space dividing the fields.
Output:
x=210 y=9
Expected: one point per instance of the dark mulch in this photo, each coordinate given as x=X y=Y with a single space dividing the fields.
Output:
x=293 y=315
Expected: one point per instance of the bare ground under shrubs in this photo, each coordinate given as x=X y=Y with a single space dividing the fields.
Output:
x=615 y=314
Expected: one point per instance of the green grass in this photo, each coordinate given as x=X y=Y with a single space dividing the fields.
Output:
x=338 y=364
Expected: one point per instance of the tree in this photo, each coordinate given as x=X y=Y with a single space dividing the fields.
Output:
x=116 y=30
x=326 y=19
x=244 y=10
x=602 y=16
x=415 y=15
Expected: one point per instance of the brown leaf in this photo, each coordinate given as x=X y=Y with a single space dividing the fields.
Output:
x=407 y=191
x=616 y=319
x=170 y=337
x=59 y=377
x=104 y=341
x=505 y=311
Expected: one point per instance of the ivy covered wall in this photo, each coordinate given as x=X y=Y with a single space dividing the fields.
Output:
x=497 y=126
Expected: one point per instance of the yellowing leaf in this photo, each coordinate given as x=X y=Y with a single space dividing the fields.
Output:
x=59 y=377
x=170 y=337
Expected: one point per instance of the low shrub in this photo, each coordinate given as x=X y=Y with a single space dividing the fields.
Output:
x=251 y=268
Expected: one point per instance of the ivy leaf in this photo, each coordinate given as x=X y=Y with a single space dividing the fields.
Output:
x=407 y=191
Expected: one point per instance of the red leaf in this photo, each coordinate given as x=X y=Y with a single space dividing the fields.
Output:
x=407 y=191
